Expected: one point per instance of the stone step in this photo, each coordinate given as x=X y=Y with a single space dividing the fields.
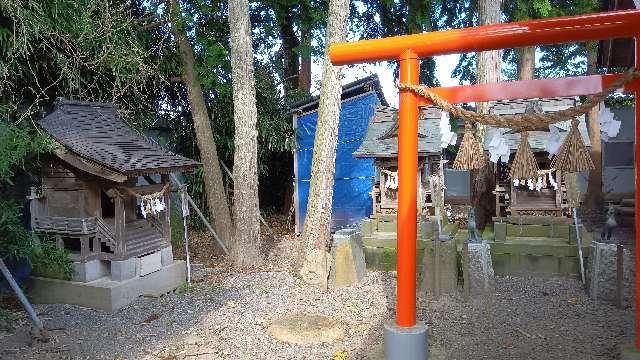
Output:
x=626 y=210
x=628 y=202
x=538 y=249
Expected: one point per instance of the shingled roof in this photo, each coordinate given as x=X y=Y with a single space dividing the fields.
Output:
x=381 y=140
x=96 y=133
x=537 y=139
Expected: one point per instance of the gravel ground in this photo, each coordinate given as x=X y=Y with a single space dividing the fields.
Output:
x=224 y=316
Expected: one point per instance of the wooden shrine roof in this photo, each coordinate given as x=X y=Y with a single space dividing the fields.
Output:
x=381 y=140
x=537 y=139
x=96 y=134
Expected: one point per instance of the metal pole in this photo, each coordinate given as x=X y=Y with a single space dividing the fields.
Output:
x=226 y=169
x=204 y=219
x=579 y=241
x=407 y=188
x=185 y=214
x=37 y=324
x=406 y=339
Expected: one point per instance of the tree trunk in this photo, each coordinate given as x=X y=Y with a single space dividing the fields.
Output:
x=489 y=65
x=312 y=262
x=526 y=63
x=304 y=78
x=214 y=188
x=594 y=199
x=245 y=251
x=290 y=42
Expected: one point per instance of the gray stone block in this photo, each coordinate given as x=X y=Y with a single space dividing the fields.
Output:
x=90 y=270
x=481 y=276
x=167 y=256
x=347 y=259
x=122 y=270
x=602 y=273
x=500 y=231
x=444 y=279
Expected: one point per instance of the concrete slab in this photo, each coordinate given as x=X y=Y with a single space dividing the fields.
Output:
x=104 y=293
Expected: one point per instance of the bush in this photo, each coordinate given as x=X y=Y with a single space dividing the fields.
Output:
x=15 y=240
x=49 y=260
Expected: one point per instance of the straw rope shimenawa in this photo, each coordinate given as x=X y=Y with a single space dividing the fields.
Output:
x=526 y=121
x=572 y=156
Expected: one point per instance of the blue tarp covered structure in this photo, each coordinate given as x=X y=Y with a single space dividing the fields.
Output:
x=354 y=178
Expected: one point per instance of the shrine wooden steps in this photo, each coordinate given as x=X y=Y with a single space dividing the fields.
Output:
x=141 y=237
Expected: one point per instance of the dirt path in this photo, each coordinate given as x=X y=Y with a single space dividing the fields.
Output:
x=224 y=317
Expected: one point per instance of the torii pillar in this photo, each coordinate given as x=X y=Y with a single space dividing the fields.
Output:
x=406 y=338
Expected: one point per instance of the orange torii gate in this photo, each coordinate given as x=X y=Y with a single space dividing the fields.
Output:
x=406 y=339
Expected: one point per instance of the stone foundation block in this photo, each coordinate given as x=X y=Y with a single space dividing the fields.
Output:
x=439 y=269
x=348 y=262
x=122 y=270
x=166 y=255
x=89 y=270
x=602 y=273
x=480 y=267
x=104 y=294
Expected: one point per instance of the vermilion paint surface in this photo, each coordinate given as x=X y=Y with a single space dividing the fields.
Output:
x=407 y=190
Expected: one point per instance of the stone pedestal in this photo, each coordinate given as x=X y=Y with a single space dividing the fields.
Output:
x=348 y=265
x=602 y=274
x=628 y=350
x=481 y=277
x=406 y=343
x=439 y=268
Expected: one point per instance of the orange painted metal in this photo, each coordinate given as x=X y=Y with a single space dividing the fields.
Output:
x=527 y=89
x=637 y=159
x=614 y=24
x=407 y=190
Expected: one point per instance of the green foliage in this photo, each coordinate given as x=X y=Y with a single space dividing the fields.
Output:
x=15 y=241
x=18 y=144
x=49 y=260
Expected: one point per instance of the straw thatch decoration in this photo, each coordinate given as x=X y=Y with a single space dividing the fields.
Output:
x=470 y=154
x=573 y=156
x=524 y=164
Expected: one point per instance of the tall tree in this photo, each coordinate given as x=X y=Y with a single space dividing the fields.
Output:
x=246 y=247
x=312 y=262
x=214 y=187
x=489 y=65
x=594 y=199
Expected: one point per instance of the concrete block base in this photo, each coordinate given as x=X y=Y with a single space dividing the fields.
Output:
x=348 y=263
x=104 y=293
x=90 y=270
x=405 y=343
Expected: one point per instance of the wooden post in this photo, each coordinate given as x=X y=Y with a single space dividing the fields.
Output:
x=166 y=224
x=619 y=275
x=119 y=220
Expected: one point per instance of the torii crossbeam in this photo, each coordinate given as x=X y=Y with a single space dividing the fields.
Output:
x=400 y=338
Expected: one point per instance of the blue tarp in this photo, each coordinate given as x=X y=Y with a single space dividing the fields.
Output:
x=354 y=178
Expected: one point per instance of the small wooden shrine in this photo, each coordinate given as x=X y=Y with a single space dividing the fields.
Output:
x=105 y=193
x=546 y=195
x=381 y=144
